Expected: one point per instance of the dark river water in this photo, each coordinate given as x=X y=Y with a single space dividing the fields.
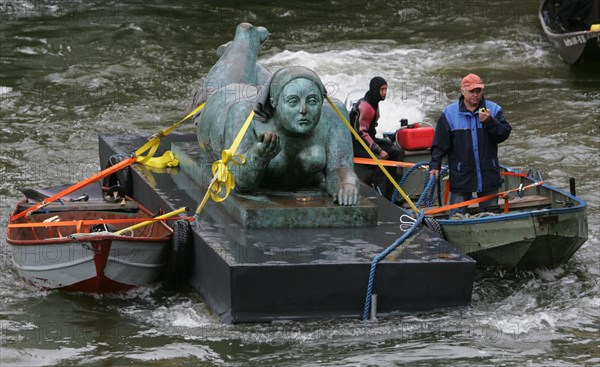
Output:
x=72 y=70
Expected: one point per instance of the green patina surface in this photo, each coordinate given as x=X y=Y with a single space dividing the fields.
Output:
x=310 y=207
x=293 y=142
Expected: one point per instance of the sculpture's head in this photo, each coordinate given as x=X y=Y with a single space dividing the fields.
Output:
x=296 y=96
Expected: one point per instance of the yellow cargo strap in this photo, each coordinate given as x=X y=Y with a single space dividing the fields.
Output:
x=223 y=182
x=387 y=174
x=130 y=229
x=167 y=160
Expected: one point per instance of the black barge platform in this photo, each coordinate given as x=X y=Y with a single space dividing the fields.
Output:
x=247 y=273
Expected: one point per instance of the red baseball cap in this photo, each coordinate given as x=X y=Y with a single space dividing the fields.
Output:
x=471 y=82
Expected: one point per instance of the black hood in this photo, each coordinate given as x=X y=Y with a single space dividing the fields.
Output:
x=373 y=97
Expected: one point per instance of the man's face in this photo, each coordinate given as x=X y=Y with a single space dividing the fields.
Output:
x=383 y=91
x=473 y=96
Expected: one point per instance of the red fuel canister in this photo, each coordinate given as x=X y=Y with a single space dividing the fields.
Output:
x=415 y=138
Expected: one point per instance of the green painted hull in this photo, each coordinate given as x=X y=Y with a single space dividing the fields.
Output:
x=536 y=237
x=523 y=242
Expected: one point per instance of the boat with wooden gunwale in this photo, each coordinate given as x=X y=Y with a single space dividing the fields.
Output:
x=537 y=227
x=88 y=245
x=574 y=29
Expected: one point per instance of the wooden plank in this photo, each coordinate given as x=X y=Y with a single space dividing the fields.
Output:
x=530 y=201
x=68 y=206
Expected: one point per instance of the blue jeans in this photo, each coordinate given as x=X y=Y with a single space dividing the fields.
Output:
x=459 y=197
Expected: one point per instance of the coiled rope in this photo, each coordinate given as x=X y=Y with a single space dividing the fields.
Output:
x=430 y=184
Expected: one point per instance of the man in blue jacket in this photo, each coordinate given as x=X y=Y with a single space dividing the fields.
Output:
x=468 y=132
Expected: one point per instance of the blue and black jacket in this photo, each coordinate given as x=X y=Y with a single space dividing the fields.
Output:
x=472 y=147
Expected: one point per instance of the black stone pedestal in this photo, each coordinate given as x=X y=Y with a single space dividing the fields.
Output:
x=265 y=274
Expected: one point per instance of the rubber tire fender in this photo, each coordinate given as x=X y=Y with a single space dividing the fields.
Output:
x=181 y=259
x=434 y=225
x=120 y=178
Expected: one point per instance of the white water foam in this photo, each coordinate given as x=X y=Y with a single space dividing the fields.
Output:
x=176 y=351
x=182 y=317
x=34 y=357
x=344 y=71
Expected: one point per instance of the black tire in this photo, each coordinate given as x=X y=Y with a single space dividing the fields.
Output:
x=433 y=225
x=120 y=178
x=181 y=259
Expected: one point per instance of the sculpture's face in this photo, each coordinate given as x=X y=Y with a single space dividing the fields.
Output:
x=299 y=107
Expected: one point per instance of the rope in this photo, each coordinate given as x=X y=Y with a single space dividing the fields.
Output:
x=460 y=216
x=380 y=257
x=95 y=177
x=151 y=145
x=147 y=222
x=432 y=183
x=88 y=222
x=427 y=197
x=223 y=182
x=154 y=140
x=429 y=185
x=364 y=145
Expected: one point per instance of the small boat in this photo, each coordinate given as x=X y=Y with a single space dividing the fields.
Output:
x=573 y=26
x=535 y=225
x=88 y=244
x=539 y=227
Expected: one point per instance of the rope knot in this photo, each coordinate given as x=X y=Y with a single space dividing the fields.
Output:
x=223 y=181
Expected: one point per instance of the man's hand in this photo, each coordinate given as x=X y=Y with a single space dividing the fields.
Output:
x=383 y=155
x=434 y=172
x=485 y=116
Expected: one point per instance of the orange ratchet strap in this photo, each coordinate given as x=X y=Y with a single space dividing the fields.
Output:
x=90 y=222
x=515 y=174
x=95 y=177
x=481 y=199
x=369 y=161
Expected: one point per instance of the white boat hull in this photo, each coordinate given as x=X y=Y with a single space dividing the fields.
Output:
x=98 y=264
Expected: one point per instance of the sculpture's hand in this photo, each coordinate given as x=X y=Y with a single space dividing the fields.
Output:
x=347 y=194
x=343 y=186
x=268 y=146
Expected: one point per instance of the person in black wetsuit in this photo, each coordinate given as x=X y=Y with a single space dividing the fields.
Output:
x=364 y=116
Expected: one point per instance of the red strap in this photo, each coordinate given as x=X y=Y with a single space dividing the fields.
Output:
x=447 y=193
x=481 y=199
x=515 y=174
x=461 y=204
